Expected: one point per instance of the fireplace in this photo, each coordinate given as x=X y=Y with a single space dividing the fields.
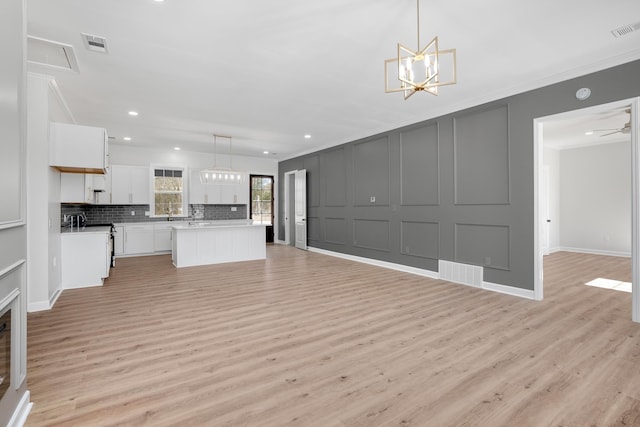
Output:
x=5 y=351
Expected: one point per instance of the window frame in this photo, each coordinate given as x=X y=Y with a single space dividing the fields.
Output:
x=272 y=201
x=184 y=192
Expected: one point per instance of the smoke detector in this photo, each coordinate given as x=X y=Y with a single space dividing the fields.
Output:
x=95 y=43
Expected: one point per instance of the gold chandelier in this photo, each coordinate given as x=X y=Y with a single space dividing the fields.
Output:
x=220 y=175
x=422 y=70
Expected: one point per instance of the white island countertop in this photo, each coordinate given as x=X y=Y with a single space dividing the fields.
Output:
x=195 y=225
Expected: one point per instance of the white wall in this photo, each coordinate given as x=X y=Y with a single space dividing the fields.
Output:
x=14 y=404
x=43 y=194
x=595 y=199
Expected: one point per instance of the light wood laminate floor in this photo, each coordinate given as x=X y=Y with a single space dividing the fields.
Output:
x=304 y=339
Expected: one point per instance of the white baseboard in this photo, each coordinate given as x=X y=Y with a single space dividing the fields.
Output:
x=279 y=242
x=592 y=251
x=54 y=297
x=19 y=417
x=494 y=287
x=509 y=290
x=385 y=264
x=32 y=307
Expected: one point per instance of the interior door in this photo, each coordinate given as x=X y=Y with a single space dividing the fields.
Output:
x=546 y=216
x=300 y=193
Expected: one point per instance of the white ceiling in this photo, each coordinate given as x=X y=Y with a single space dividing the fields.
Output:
x=589 y=128
x=268 y=72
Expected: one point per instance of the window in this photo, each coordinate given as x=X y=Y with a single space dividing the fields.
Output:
x=168 y=192
x=262 y=199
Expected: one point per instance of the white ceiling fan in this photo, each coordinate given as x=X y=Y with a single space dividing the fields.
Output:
x=626 y=129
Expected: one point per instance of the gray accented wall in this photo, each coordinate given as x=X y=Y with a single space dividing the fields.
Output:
x=459 y=187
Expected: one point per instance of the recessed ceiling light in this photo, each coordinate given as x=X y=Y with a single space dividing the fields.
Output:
x=127 y=138
x=265 y=152
x=159 y=1
x=307 y=136
x=133 y=113
x=176 y=148
x=589 y=132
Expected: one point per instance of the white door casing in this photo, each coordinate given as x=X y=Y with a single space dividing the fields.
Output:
x=301 y=209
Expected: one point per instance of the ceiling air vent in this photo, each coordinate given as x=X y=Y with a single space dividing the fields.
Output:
x=626 y=29
x=51 y=55
x=95 y=43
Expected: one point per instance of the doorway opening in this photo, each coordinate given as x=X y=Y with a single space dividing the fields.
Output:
x=261 y=206
x=560 y=210
x=295 y=208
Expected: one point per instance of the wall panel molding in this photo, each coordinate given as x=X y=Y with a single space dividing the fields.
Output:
x=372 y=234
x=420 y=239
x=371 y=172
x=335 y=230
x=335 y=178
x=481 y=148
x=420 y=166
x=487 y=245
x=314 y=231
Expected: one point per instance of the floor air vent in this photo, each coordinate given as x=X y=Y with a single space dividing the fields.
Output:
x=466 y=274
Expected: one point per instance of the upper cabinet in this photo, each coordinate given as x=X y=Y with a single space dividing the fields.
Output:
x=129 y=185
x=78 y=149
x=216 y=194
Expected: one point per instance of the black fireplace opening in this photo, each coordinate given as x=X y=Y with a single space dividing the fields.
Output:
x=5 y=352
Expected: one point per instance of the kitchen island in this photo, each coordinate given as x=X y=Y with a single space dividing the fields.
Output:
x=215 y=242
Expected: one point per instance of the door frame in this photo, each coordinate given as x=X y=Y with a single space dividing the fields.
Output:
x=273 y=210
x=287 y=210
x=538 y=147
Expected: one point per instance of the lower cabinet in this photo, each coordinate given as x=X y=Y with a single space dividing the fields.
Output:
x=162 y=237
x=118 y=240
x=85 y=259
x=142 y=239
x=138 y=239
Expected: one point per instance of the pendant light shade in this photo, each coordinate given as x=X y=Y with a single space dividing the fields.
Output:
x=221 y=175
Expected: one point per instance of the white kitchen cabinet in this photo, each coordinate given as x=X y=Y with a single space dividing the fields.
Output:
x=102 y=188
x=118 y=240
x=76 y=188
x=85 y=258
x=234 y=194
x=129 y=185
x=216 y=194
x=138 y=239
x=202 y=194
x=85 y=188
x=78 y=149
x=162 y=236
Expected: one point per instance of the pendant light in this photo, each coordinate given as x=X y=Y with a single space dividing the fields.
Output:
x=220 y=175
x=422 y=70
